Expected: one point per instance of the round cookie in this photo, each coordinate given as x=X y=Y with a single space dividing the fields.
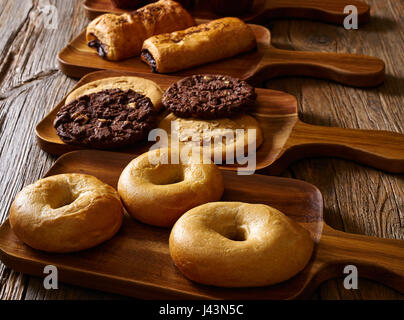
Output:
x=193 y=132
x=208 y=97
x=106 y=119
x=143 y=86
x=235 y=244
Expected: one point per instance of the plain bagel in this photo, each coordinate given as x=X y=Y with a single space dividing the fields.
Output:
x=234 y=244
x=66 y=213
x=159 y=192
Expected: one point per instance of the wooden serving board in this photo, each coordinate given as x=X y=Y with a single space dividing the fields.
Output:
x=330 y=11
x=136 y=262
x=286 y=138
x=267 y=62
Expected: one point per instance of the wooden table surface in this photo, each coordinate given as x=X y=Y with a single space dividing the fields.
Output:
x=357 y=199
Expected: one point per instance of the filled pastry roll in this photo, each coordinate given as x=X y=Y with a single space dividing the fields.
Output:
x=218 y=39
x=118 y=37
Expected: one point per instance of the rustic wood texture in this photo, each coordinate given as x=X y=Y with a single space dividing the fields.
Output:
x=136 y=261
x=275 y=111
x=286 y=138
x=331 y=11
x=357 y=199
x=267 y=62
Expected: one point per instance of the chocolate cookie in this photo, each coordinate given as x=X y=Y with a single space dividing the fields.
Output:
x=208 y=97
x=107 y=119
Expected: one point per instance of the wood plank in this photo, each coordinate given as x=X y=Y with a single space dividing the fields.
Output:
x=136 y=262
x=285 y=138
x=30 y=86
x=357 y=199
x=266 y=62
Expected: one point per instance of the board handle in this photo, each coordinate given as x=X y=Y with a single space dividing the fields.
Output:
x=349 y=69
x=379 y=149
x=377 y=259
x=330 y=11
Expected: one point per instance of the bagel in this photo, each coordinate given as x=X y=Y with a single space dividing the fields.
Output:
x=234 y=244
x=158 y=193
x=143 y=86
x=66 y=213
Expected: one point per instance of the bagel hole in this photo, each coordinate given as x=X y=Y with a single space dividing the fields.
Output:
x=167 y=174
x=236 y=234
x=67 y=199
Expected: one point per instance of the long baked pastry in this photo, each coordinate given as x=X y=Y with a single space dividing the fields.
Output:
x=118 y=37
x=218 y=39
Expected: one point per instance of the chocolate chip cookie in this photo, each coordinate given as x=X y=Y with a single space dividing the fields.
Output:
x=208 y=97
x=107 y=119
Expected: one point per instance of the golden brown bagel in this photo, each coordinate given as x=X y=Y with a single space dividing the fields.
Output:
x=234 y=244
x=66 y=212
x=158 y=194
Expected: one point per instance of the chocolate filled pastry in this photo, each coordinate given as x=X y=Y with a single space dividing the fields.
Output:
x=118 y=37
x=218 y=39
x=107 y=119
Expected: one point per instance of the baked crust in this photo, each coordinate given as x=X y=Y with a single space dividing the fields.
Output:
x=143 y=86
x=188 y=128
x=158 y=194
x=122 y=36
x=66 y=213
x=218 y=39
x=244 y=245
x=209 y=96
x=107 y=119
